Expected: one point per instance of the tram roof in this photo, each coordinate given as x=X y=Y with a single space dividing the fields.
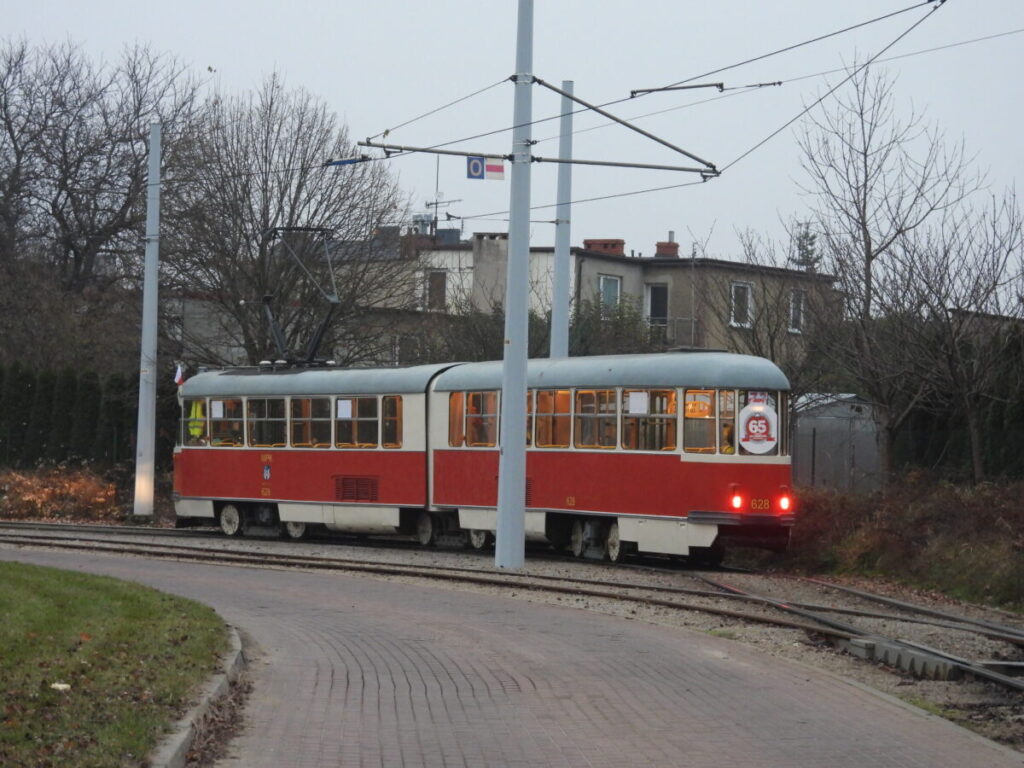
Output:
x=670 y=369
x=251 y=382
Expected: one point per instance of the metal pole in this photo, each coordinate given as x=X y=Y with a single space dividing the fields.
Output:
x=510 y=546
x=563 y=227
x=145 y=442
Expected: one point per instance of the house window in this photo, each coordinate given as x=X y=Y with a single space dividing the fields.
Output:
x=609 y=287
x=741 y=305
x=657 y=304
x=796 y=311
x=437 y=284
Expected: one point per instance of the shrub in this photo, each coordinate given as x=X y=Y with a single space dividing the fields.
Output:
x=964 y=540
x=66 y=494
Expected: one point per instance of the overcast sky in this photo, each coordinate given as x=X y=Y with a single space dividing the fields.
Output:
x=383 y=62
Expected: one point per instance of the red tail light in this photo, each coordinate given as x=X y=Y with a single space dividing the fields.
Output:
x=735 y=496
x=784 y=503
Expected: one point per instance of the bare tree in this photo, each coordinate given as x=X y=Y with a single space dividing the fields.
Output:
x=94 y=154
x=73 y=149
x=255 y=164
x=965 y=270
x=874 y=179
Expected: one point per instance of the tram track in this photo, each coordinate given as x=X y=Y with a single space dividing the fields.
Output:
x=912 y=655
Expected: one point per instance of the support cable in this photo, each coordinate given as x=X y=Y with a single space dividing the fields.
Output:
x=706 y=74
x=387 y=131
x=818 y=39
x=834 y=88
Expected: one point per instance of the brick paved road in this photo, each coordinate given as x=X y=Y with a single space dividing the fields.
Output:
x=359 y=672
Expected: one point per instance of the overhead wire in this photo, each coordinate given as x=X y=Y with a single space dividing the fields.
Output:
x=772 y=135
x=746 y=89
x=798 y=78
x=386 y=131
x=833 y=89
x=613 y=102
x=789 y=48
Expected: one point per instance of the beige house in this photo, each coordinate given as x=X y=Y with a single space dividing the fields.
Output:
x=686 y=302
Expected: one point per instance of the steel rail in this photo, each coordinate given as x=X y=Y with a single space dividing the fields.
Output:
x=992 y=631
x=822 y=626
x=285 y=561
x=916 y=608
x=963 y=665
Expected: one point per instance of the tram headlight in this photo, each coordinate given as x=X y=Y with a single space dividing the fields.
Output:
x=785 y=503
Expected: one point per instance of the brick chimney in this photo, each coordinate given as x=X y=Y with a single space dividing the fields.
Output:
x=666 y=250
x=611 y=247
x=669 y=250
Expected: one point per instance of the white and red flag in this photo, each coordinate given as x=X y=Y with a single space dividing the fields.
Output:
x=179 y=376
x=494 y=168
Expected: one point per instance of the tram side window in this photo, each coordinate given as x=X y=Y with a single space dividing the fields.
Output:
x=649 y=418
x=456 y=419
x=699 y=421
x=226 y=422
x=268 y=427
x=482 y=419
x=391 y=421
x=595 y=418
x=784 y=423
x=311 y=422
x=355 y=424
x=193 y=422
x=553 y=416
x=727 y=421
x=529 y=418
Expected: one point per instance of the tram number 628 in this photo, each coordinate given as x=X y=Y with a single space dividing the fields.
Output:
x=760 y=504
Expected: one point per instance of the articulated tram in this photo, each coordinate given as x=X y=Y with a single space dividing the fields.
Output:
x=675 y=454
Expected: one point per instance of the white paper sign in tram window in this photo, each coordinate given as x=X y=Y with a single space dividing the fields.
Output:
x=344 y=409
x=217 y=409
x=637 y=402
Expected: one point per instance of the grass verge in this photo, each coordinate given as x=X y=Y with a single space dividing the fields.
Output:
x=130 y=657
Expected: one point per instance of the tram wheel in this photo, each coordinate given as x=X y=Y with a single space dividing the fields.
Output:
x=577 y=540
x=230 y=520
x=614 y=547
x=293 y=531
x=478 y=538
x=426 y=529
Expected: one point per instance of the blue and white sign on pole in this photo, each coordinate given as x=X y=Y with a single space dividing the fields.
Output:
x=475 y=167
x=479 y=167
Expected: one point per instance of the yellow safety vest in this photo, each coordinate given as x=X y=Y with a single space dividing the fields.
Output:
x=196 y=419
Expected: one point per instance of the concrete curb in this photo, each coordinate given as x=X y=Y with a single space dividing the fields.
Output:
x=173 y=749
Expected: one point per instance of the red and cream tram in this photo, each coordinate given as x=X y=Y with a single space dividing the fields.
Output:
x=678 y=453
